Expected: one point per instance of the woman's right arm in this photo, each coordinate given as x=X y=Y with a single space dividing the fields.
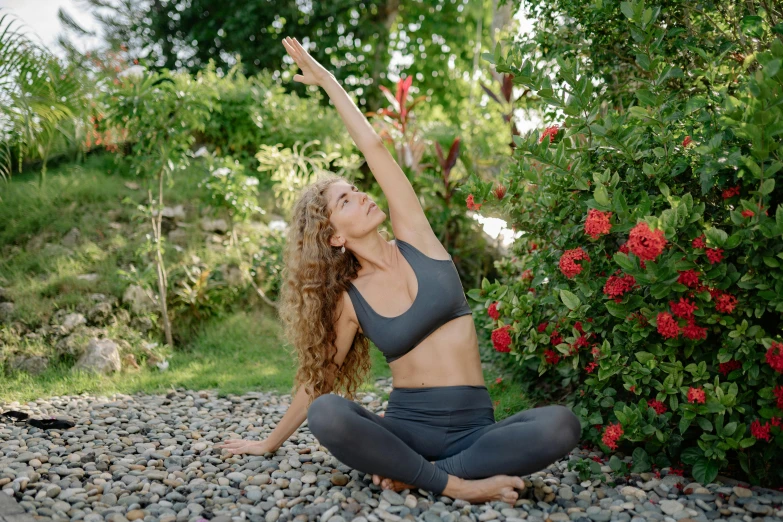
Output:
x=346 y=330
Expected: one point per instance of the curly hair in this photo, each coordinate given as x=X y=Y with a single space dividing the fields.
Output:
x=315 y=276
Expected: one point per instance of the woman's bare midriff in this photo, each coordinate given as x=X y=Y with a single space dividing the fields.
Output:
x=449 y=356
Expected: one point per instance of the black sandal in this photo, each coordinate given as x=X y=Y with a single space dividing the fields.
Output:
x=52 y=423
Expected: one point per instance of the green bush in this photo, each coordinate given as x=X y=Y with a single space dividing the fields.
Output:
x=648 y=284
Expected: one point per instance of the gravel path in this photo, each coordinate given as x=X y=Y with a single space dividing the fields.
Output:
x=150 y=457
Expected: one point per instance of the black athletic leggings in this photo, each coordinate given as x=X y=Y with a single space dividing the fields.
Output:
x=451 y=425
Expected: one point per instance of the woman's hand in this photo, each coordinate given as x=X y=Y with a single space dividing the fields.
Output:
x=313 y=72
x=248 y=447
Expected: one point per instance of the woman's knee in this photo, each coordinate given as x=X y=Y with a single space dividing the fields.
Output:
x=326 y=416
x=566 y=426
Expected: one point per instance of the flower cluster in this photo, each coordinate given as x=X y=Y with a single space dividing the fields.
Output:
x=500 y=191
x=761 y=432
x=646 y=244
x=696 y=395
x=590 y=368
x=747 y=213
x=687 y=141
x=568 y=260
x=616 y=286
x=473 y=205
x=658 y=406
x=683 y=308
x=725 y=303
x=551 y=356
x=612 y=434
x=689 y=278
x=731 y=192
x=597 y=223
x=699 y=242
x=501 y=339
x=775 y=357
x=726 y=368
x=667 y=325
x=715 y=255
x=778 y=393
x=549 y=131
x=492 y=311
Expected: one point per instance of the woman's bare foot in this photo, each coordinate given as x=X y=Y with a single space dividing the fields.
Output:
x=499 y=487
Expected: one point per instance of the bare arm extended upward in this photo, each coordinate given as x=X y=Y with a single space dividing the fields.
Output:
x=405 y=212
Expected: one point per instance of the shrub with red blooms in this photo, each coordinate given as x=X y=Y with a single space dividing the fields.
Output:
x=646 y=244
x=597 y=223
x=493 y=312
x=568 y=261
x=684 y=286
x=501 y=339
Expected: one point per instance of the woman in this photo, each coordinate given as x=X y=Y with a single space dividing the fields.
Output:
x=344 y=284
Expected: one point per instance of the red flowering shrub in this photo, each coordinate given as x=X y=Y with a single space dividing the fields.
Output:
x=493 y=312
x=501 y=339
x=685 y=292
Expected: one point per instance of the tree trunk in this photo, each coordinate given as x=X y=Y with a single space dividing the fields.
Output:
x=162 y=282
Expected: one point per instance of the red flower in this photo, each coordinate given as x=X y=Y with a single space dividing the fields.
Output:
x=683 y=308
x=526 y=274
x=725 y=303
x=501 y=339
x=597 y=223
x=689 y=278
x=696 y=395
x=555 y=338
x=624 y=248
x=591 y=367
x=542 y=327
x=761 y=431
x=778 y=392
x=667 y=325
x=645 y=243
x=551 y=357
x=699 y=242
x=568 y=264
x=632 y=389
x=498 y=380
x=658 y=406
x=612 y=434
x=775 y=357
x=499 y=191
x=471 y=204
x=731 y=192
x=492 y=311
x=616 y=286
x=687 y=141
x=747 y=213
x=715 y=255
x=578 y=327
x=549 y=131
x=533 y=246
x=693 y=331
x=726 y=368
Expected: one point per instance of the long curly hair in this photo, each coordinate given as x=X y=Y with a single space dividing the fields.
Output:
x=315 y=275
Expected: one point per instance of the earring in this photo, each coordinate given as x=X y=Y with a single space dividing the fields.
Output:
x=343 y=249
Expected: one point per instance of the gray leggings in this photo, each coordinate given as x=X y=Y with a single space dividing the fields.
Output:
x=451 y=425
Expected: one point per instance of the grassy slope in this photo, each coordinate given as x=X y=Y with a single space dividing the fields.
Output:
x=243 y=351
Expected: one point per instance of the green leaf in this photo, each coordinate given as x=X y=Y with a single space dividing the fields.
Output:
x=644 y=357
x=641 y=461
x=768 y=186
x=624 y=261
x=704 y=423
x=705 y=471
x=570 y=299
x=602 y=196
x=616 y=309
x=716 y=236
x=691 y=455
x=627 y=9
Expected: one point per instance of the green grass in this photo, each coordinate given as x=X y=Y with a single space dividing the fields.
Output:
x=236 y=354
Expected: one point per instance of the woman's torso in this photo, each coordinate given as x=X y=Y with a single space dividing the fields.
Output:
x=449 y=356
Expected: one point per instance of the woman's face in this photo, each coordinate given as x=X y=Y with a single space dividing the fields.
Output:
x=353 y=214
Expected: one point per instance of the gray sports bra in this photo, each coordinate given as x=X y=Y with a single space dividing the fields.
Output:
x=439 y=299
